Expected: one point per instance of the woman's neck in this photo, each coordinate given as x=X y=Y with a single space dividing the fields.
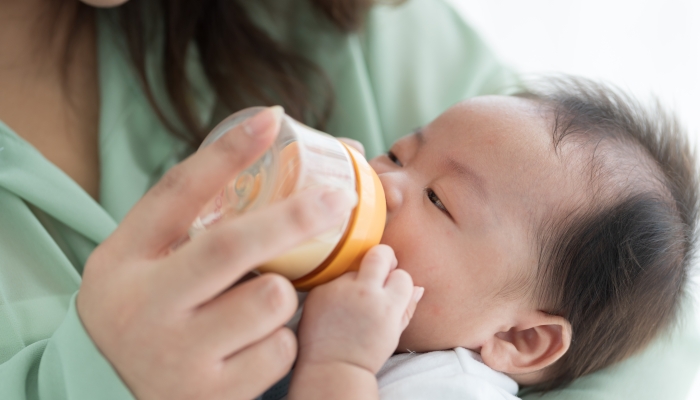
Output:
x=50 y=96
x=33 y=32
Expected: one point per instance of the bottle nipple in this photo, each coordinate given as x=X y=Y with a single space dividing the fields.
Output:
x=246 y=188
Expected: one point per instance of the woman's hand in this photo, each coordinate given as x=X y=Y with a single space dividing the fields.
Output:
x=169 y=321
x=357 y=319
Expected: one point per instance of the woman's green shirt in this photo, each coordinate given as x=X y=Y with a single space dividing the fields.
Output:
x=405 y=66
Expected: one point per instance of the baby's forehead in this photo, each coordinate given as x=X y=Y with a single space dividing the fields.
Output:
x=509 y=130
x=503 y=108
x=503 y=121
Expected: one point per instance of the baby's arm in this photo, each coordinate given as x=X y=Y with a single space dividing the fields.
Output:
x=350 y=327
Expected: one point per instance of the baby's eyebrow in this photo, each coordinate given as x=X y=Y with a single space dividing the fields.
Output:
x=454 y=167
x=476 y=181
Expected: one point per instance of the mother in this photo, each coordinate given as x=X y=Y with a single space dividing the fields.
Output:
x=97 y=105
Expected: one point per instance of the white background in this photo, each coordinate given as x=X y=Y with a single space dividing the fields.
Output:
x=645 y=46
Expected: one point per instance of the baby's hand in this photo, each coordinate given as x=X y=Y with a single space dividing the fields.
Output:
x=357 y=319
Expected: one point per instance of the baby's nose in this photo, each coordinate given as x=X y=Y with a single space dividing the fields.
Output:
x=392 y=190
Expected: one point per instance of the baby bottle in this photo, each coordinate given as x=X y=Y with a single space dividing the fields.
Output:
x=301 y=158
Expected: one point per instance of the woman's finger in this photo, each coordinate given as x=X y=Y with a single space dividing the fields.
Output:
x=217 y=258
x=376 y=265
x=245 y=313
x=257 y=367
x=167 y=210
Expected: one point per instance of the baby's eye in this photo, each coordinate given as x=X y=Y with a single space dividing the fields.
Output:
x=393 y=158
x=435 y=200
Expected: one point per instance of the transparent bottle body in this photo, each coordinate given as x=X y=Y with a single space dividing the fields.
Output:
x=301 y=158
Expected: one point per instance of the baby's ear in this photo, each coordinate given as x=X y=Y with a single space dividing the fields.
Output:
x=537 y=341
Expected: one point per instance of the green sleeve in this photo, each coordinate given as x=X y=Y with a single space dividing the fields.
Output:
x=65 y=366
x=45 y=353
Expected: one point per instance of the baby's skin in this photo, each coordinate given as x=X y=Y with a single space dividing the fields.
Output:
x=464 y=197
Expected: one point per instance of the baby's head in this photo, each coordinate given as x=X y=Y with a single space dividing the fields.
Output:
x=552 y=230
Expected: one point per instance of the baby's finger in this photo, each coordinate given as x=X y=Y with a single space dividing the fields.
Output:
x=399 y=286
x=376 y=265
x=412 y=304
x=399 y=283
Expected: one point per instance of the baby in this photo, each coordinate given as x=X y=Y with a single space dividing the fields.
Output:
x=551 y=231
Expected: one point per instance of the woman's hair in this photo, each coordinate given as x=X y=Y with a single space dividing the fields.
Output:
x=242 y=63
x=616 y=268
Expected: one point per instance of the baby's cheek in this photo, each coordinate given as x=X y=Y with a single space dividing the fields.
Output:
x=434 y=310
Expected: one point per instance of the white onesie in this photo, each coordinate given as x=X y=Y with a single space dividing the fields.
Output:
x=451 y=374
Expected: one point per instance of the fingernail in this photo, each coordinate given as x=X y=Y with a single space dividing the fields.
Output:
x=261 y=122
x=339 y=201
x=418 y=293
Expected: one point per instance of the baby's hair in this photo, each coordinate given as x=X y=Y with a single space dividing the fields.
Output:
x=617 y=266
